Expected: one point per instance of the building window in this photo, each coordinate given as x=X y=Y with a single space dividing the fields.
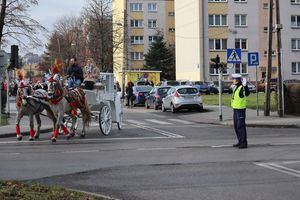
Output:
x=266 y=53
x=217 y=20
x=295 y=67
x=137 y=56
x=241 y=44
x=241 y=68
x=171 y=13
x=152 y=7
x=240 y=20
x=136 y=23
x=295 y=1
x=296 y=44
x=152 y=38
x=240 y=1
x=295 y=21
x=134 y=7
x=152 y=23
x=171 y=29
x=266 y=5
x=217 y=44
x=137 y=39
x=217 y=0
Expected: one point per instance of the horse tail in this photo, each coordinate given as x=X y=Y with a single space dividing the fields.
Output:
x=86 y=113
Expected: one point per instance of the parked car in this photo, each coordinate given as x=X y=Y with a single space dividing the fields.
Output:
x=154 y=98
x=202 y=87
x=168 y=83
x=140 y=92
x=226 y=86
x=212 y=88
x=262 y=84
x=252 y=87
x=182 y=97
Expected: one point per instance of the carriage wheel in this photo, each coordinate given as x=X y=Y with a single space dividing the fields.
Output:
x=105 y=121
x=120 y=120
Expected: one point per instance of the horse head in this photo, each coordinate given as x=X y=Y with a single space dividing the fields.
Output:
x=54 y=87
x=24 y=90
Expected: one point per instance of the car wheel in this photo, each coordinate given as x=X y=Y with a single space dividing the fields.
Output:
x=155 y=106
x=163 y=108
x=173 y=109
x=146 y=105
x=200 y=109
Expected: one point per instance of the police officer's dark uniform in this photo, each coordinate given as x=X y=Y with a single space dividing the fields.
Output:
x=239 y=104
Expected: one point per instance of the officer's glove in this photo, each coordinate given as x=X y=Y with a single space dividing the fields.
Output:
x=244 y=82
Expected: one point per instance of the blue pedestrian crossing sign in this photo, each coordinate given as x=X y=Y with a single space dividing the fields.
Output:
x=253 y=59
x=234 y=56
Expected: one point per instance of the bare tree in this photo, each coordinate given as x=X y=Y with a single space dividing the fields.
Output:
x=16 y=25
x=100 y=40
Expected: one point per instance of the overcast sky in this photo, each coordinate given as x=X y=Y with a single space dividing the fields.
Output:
x=49 y=11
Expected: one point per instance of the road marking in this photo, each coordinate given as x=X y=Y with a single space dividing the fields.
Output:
x=157 y=121
x=280 y=168
x=221 y=146
x=135 y=121
x=154 y=149
x=87 y=151
x=181 y=121
x=162 y=132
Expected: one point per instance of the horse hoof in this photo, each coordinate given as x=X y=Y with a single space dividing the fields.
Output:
x=36 y=137
x=82 y=135
x=19 y=137
x=73 y=134
x=30 y=138
x=53 y=139
x=68 y=136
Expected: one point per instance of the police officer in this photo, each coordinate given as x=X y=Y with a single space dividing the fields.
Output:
x=239 y=104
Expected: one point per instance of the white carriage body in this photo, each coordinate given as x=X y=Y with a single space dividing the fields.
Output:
x=104 y=93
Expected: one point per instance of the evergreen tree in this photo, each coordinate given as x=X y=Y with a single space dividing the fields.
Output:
x=159 y=57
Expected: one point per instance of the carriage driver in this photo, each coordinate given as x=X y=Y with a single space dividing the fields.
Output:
x=75 y=74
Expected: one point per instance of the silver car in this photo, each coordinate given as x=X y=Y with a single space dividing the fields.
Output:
x=182 y=97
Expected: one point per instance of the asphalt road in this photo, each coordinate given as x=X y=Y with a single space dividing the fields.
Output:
x=162 y=156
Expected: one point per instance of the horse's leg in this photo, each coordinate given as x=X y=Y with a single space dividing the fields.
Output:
x=31 y=133
x=73 y=128
x=18 y=119
x=39 y=123
x=59 y=123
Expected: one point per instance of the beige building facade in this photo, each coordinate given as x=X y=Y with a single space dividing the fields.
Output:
x=140 y=21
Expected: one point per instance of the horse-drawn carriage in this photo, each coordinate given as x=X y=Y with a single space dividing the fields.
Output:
x=102 y=104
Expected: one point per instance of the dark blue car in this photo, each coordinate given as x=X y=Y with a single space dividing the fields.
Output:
x=140 y=92
x=154 y=98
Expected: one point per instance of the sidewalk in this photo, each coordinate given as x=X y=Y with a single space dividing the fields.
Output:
x=211 y=116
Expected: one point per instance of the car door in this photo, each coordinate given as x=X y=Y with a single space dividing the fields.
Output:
x=167 y=100
x=150 y=97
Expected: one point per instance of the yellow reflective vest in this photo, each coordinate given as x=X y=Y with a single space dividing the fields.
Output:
x=236 y=101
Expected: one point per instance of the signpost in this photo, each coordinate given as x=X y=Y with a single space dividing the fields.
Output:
x=253 y=60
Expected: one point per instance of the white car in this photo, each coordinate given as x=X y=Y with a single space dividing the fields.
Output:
x=182 y=97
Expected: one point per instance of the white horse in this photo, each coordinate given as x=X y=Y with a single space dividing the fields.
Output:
x=67 y=101
x=32 y=103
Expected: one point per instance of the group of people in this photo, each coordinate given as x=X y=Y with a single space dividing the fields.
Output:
x=88 y=75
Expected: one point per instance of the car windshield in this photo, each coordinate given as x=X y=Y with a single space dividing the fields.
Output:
x=143 y=88
x=173 y=83
x=163 y=91
x=187 y=90
x=199 y=83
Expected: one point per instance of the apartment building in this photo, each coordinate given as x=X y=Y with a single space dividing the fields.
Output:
x=240 y=24
x=142 y=21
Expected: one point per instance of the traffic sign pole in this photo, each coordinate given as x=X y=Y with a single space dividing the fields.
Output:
x=257 y=112
x=220 y=93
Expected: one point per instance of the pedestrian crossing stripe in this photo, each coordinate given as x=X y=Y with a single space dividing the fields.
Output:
x=158 y=121
x=155 y=121
x=181 y=121
x=234 y=57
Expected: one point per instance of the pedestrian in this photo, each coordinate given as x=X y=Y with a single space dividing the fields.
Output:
x=129 y=92
x=90 y=74
x=118 y=87
x=75 y=74
x=239 y=104
x=3 y=96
